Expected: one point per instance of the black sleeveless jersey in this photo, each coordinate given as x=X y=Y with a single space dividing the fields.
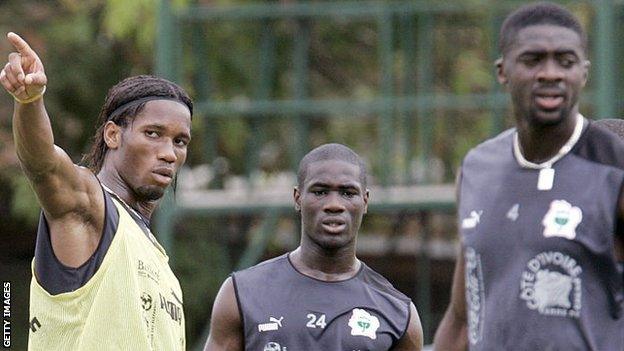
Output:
x=540 y=269
x=285 y=310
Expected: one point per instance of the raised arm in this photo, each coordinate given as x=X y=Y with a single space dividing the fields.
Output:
x=226 y=328
x=452 y=333
x=412 y=340
x=69 y=195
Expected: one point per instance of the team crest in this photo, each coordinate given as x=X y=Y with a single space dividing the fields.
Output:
x=562 y=219
x=363 y=323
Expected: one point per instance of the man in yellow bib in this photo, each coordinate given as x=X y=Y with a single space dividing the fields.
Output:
x=100 y=279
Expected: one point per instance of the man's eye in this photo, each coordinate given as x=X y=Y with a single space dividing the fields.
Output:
x=181 y=142
x=348 y=194
x=567 y=62
x=531 y=60
x=151 y=133
x=319 y=192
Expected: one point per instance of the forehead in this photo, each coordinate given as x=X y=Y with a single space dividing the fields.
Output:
x=332 y=172
x=166 y=113
x=546 y=37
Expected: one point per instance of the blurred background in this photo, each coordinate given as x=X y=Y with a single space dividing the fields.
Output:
x=409 y=85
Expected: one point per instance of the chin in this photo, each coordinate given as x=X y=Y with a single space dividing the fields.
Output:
x=333 y=242
x=551 y=118
x=150 y=192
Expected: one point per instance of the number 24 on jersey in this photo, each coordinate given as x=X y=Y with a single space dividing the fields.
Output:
x=316 y=321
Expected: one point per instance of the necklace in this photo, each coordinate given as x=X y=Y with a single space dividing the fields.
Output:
x=546 y=176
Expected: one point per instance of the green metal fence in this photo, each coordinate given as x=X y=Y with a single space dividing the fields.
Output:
x=415 y=112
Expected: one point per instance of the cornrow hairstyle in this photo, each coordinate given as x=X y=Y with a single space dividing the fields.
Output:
x=126 y=100
x=536 y=14
x=331 y=152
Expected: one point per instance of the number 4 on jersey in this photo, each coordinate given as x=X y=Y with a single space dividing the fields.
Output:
x=316 y=321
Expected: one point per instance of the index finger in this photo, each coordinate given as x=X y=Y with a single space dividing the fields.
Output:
x=20 y=45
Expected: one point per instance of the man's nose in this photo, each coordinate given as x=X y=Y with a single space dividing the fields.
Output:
x=333 y=203
x=166 y=152
x=551 y=71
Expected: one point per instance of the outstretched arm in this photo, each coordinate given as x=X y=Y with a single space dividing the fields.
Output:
x=412 y=340
x=69 y=195
x=452 y=332
x=226 y=328
x=24 y=78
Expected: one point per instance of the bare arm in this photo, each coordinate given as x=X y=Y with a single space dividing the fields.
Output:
x=226 y=328
x=412 y=340
x=69 y=195
x=452 y=333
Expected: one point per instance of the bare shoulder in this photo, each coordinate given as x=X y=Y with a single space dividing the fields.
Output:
x=74 y=208
x=412 y=340
x=68 y=188
x=226 y=329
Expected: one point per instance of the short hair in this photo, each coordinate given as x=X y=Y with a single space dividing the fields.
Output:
x=536 y=14
x=119 y=108
x=331 y=152
x=612 y=124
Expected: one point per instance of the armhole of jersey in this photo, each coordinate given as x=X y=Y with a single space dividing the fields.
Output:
x=619 y=222
x=240 y=309
x=619 y=230
x=55 y=277
x=407 y=324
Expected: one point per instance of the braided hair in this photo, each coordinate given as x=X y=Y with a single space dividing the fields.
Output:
x=119 y=108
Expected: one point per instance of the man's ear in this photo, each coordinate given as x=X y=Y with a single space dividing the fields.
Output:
x=297 y=197
x=586 y=65
x=112 y=135
x=500 y=73
x=366 y=198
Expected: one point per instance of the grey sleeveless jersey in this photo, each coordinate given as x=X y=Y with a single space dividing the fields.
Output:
x=539 y=265
x=284 y=310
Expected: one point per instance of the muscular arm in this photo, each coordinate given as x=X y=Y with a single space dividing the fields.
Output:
x=412 y=340
x=452 y=333
x=226 y=327
x=69 y=195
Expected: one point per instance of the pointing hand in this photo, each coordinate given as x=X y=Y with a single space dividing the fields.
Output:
x=23 y=76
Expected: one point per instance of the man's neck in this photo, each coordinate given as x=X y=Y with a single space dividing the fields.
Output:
x=540 y=143
x=325 y=265
x=113 y=181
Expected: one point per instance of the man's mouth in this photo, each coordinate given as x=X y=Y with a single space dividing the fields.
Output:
x=163 y=174
x=334 y=225
x=549 y=100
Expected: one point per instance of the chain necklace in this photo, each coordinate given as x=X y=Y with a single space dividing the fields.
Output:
x=546 y=176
